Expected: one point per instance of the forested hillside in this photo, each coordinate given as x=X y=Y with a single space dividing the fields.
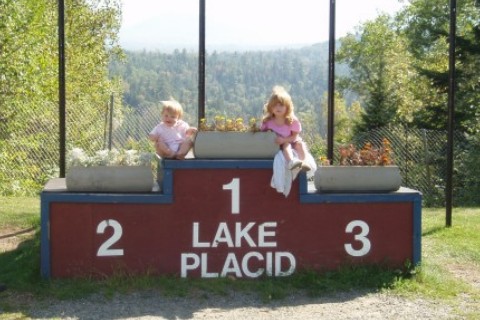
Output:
x=231 y=78
x=237 y=83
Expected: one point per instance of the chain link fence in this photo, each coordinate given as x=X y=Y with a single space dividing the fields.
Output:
x=28 y=160
x=421 y=157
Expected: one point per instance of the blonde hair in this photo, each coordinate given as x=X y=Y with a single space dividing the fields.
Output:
x=172 y=106
x=279 y=96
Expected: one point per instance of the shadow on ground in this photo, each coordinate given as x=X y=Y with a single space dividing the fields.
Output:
x=151 y=303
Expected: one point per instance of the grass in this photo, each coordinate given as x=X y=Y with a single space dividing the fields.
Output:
x=445 y=250
x=19 y=212
x=448 y=254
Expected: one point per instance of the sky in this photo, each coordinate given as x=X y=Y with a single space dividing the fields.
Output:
x=242 y=24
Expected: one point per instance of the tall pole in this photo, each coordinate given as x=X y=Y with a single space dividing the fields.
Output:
x=61 y=84
x=451 y=112
x=331 y=83
x=110 y=128
x=201 y=62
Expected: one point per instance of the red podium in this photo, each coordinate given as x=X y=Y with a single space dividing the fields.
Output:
x=218 y=218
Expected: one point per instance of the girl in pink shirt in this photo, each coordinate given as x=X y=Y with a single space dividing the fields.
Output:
x=173 y=137
x=278 y=116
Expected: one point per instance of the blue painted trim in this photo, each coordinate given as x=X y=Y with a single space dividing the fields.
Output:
x=303 y=183
x=167 y=184
x=358 y=197
x=45 y=238
x=148 y=198
x=417 y=231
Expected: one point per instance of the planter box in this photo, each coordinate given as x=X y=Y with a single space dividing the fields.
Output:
x=357 y=178
x=110 y=179
x=235 y=145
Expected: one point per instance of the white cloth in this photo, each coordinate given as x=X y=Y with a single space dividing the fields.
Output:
x=283 y=177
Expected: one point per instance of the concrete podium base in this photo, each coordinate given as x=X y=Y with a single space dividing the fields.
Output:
x=357 y=178
x=110 y=179
x=235 y=145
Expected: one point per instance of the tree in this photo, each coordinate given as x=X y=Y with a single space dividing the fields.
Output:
x=380 y=73
x=29 y=82
x=343 y=120
x=426 y=26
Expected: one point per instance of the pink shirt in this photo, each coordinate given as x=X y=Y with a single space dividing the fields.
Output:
x=172 y=136
x=284 y=130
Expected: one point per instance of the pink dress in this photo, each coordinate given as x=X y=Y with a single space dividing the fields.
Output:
x=284 y=130
x=171 y=136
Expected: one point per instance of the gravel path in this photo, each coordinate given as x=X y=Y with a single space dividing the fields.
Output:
x=148 y=305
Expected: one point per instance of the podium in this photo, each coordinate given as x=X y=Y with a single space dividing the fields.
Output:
x=221 y=218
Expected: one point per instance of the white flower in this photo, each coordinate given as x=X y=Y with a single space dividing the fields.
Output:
x=114 y=157
x=77 y=157
x=131 y=158
x=101 y=158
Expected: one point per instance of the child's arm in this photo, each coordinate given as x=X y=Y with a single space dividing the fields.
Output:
x=295 y=129
x=152 y=137
x=291 y=138
x=191 y=131
x=154 y=134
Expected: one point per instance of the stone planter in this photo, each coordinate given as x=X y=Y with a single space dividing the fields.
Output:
x=357 y=178
x=235 y=145
x=110 y=179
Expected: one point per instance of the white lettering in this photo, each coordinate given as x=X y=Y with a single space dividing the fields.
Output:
x=185 y=266
x=196 y=234
x=205 y=273
x=243 y=233
x=245 y=261
x=263 y=233
x=231 y=265
x=222 y=235
x=234 y=185
x=191 y=262
x=269 y=264
x=278 y=264
x=253 y=264
x=362 y=237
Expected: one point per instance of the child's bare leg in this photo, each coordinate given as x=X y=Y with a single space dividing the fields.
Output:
x=299 y=147
x=288 y=154
x=163 y=150
x=184 y=148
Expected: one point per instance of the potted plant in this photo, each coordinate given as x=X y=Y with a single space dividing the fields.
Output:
x=109 y=171
x=367 y=170
x=228 y=138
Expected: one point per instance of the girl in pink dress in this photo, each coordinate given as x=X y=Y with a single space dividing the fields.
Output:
x=173 y=137
x=279 y=117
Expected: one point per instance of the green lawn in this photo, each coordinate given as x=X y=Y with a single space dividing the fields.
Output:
x=450 y=263
x=19 y=212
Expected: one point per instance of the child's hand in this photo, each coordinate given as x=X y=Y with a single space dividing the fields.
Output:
x=191 y=131
x=280 y=140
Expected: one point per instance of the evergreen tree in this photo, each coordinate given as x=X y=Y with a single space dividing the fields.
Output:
x=427 y=25
x=380 y=74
